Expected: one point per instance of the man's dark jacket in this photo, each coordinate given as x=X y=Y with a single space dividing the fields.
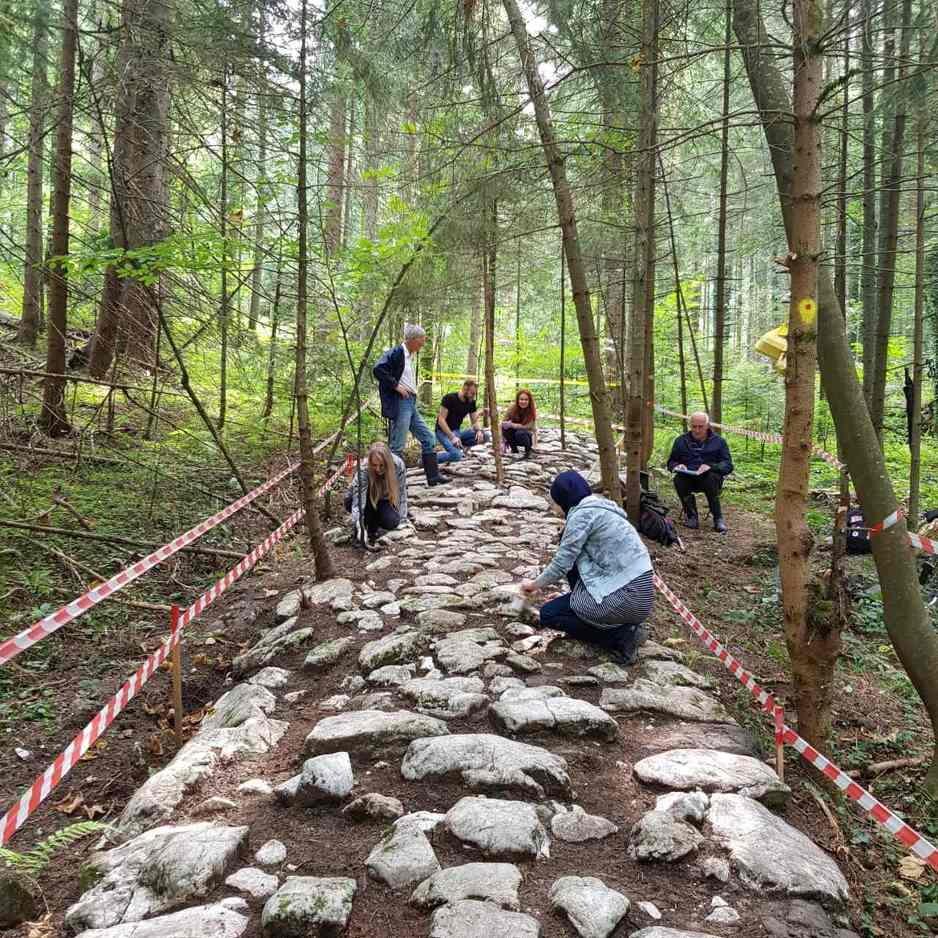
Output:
x=387 y=372
x=713 y=452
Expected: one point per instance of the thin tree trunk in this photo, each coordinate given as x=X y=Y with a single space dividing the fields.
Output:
x=719 y=312
x=310 y=502
x=840 y=256
x=332 y=223
x=260 y=216
x=592 y=358
x=224 y=298
x=475 y=320
x=491 y=394
x=918 y=339
x=868 y=269
x=904 y=613
x=813 y=647
x=892 y=153
x=349 y=170
x=272 y=357
x=643 y=279
x=39 y=101
x=53 y=419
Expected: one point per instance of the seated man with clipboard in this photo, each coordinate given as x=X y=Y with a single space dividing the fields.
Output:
x=700 y=461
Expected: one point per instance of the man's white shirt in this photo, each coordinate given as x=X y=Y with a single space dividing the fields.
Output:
x=408 y=380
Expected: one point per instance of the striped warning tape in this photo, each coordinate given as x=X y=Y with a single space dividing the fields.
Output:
x=12 y=647
x=924 y=544
x=916 y=842
x=45 y=783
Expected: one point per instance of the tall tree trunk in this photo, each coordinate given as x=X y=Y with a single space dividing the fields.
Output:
x=260 y=215
x=432 y=322
x=332 y=223
x=643 y=277
x=491 y=392
x=224 y=300
x=272 y=355
x=893 y=144
x=475 y=318
x=918 y=333
x=39 y=101
x=592 y=359
x=372 y=161
x=813 y=647
x=840 y=254
x=53 y=419
x=719 y=311
x=868 y=269
x=904 y=613
x=324 y=568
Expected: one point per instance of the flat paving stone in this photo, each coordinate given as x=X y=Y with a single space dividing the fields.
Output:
x=256 y=883
x=328 y=653
x=392 y=649
x=307 y=906
x=403 y=857
x=565 y=715
x=727 y=737
x=205 y=921
x=657 y=931
x=473 y=919
x=686 y=703
x=447 y=698
x=575 y=826
x=499 y=828
x=711 y=771
x=659 y=835
x=371 y=730
x=593 y=908
x=497 y=883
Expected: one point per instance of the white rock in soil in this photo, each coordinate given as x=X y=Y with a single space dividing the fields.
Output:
x=370 y=730
x=685 y=806
x=610 y=673
x=498 y=827
x=670 y=672
x=272 y=853
x=155 y=871
x=374 y=805
x=497 y=883
x=392 y=649
x=325 y=778
x=523 y=663
x=335 y=702
x=256 y=786
x=487 y=760
x=479 y=635
x=213 y=805
x=710 y=770
x=403 y=857
x=593 y=908
x=649 y=909
x=447 y=698
x=723 y=736
x=657 y=931
x=566 y=715
x=295 y=695
x=722 y=914
x=328 y=653
x=380 y=564
x=500 y=683
x=267 y=648
x=440 y=620
x=715 y=868
x=435 y=579
x=540 y=692
x=256 y=883
x=238 y=705
x=271 y=678
x=575 y=826
x=493 y=669
x=661 y=836
x=391 y=675
x=427 y=821
x=204 y=921
x=236 y=904
x=316 y=594
x=460 y=656
x=309 y=905
x=472 y=919
x=391 y=610
x=378 y=598
x=795 y=865
x=686 y=703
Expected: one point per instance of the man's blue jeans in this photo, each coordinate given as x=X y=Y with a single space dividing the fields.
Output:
x=409 y=420
x=452 y=452
x=558 y=615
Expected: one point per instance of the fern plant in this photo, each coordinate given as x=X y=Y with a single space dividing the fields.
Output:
x=37 y=859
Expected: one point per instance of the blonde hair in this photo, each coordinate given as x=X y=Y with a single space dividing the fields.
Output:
x=383 y=487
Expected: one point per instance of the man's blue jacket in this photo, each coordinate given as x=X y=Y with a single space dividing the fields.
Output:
x=387 y=372
x=713 y=452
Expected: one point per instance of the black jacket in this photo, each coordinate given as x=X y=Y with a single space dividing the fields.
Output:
x=387 y=372
x=713 y=451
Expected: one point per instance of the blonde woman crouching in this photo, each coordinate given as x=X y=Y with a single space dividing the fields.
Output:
x=377 y=498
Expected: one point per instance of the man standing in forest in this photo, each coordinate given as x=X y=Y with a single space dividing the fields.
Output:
x=397 y=386
x=454 y=408
x=700 y=461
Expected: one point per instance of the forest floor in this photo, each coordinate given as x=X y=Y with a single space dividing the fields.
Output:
x=729 y=582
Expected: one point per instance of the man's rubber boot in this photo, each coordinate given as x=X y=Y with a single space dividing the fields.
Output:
x=719 y=525
x=690 y=513
x=431 y=469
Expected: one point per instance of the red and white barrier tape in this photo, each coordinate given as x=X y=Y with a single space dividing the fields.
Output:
x=77 y=607
x=44 y=784
x=918 y=844
x=924 y=544
x=762 y=436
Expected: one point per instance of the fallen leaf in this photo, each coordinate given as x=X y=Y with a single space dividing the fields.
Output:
x=94 y=810
x=69 y=805
x=911 y=868
x=155 y=745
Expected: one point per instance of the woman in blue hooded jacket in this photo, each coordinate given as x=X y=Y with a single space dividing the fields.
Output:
x=608 y=569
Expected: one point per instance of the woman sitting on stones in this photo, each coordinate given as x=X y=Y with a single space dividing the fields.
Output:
x=608 y=569
x=377 y=498
x=519 y=428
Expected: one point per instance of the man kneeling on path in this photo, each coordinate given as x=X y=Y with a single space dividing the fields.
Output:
x=608 y=569
x=397 y=386
x=700 y=461
x=453 y=409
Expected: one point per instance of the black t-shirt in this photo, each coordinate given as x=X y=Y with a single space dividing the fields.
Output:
x=456 y=410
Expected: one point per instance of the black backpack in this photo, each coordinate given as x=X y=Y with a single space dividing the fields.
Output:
x=654 y=522
x=856 y=534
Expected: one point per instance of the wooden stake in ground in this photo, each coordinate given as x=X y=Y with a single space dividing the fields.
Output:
x=566 y=212
x=177 y=676
x=307 y=490
x=491 y=396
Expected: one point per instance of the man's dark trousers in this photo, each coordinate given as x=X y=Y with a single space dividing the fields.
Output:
x=710 y=483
